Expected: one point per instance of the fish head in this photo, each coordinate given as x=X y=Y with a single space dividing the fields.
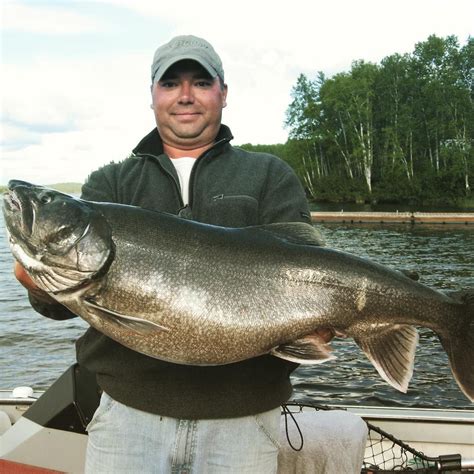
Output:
x=60 y=240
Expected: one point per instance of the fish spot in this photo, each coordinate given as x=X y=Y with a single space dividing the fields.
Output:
x=361 y=300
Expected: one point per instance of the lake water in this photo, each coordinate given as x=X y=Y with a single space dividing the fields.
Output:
x=34 y=351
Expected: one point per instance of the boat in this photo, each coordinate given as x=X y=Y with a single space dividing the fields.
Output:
x=44 y=432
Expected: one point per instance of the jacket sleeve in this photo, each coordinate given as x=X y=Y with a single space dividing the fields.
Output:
x=283 y=199
x=52 y=311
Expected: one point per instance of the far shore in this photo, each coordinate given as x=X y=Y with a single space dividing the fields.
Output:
x=468 y=205
x=68 y=188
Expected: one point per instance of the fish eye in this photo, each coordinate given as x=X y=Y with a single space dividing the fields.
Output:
x=46 y=198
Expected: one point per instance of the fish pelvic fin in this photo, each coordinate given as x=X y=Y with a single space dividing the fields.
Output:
x=122 y=321
x=458 y=342
x=392 y=352
x=310 y=349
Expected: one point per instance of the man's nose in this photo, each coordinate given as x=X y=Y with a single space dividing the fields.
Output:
x=186 y=93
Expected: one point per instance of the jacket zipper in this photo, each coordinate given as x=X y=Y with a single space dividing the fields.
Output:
x=191 y=177
x=169 y=174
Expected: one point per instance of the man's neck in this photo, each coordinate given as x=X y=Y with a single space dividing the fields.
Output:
x=174 y=152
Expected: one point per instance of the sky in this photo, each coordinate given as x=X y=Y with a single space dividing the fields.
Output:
x=75 y=74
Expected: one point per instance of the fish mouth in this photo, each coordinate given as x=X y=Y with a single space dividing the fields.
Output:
x=11 y=202
x=18 y=210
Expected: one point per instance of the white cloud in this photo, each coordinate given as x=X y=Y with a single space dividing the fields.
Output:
x=57 y=20
x=308 y=31
x=14 y=137
x=80 y=112
x=74 y=116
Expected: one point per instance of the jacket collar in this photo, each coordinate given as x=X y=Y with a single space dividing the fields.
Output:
x=152 y=144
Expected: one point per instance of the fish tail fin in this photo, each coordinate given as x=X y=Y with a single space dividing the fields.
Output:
x=459 y=343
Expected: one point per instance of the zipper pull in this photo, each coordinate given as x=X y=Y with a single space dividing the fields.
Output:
x=218 y=196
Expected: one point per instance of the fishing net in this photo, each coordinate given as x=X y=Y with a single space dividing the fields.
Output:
x=384 y=453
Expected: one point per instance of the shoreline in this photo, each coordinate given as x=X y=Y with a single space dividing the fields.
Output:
x=460 y=218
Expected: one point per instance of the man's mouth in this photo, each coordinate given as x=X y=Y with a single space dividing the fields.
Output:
x=186 y=114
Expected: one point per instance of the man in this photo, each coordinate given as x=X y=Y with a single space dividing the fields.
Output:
x=156 y=416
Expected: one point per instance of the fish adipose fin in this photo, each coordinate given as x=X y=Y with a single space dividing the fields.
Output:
x=458 y=342
x=392 y=352
x=130 y=323
x=295 y=232
x=310 y=349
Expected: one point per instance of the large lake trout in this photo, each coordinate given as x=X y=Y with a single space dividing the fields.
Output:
x=197 y=294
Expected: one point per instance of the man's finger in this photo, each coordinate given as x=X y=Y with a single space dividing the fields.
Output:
x=23 y=277
x=325 y=334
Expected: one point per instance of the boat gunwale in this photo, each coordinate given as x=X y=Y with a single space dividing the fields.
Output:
x=367 y=412
x=402 y=414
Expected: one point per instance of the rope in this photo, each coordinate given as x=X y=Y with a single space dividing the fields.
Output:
x=286 y=412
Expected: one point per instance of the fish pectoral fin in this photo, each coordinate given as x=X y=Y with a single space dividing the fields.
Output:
x=392 y=352
x=311 y=349
x=131 y=323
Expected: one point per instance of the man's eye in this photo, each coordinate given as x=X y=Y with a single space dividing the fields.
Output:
x=167 y=84
x=204 y=83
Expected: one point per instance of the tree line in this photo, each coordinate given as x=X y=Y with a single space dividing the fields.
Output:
x=398 y=131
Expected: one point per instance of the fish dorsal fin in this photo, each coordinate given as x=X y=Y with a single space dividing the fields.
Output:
x=310 y=349
x=295 y=232
x=131 y=323
x=392 y=352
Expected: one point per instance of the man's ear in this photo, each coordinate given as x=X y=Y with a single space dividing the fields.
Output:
x=224 y=95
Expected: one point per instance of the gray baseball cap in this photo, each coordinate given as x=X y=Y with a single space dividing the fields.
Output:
x=186 y=47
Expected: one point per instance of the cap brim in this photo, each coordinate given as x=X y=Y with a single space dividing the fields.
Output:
x=159 y=73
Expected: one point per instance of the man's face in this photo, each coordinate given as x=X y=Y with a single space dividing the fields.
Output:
x=188 y=105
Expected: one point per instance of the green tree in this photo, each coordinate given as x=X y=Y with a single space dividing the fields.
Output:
x=394 y=117
x=302 y=118
x=401 y=127
x=347 y=102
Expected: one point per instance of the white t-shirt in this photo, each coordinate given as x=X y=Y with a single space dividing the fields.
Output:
x=183 y=168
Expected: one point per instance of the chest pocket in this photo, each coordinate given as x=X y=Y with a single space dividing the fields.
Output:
x=233 y=210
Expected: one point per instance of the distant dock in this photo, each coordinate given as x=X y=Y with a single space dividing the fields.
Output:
x=466 y=218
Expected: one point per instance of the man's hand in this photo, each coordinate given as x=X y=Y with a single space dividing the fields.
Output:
x=30 y=285
x=23 y=277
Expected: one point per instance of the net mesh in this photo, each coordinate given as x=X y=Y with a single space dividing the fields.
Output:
x=384 y=453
